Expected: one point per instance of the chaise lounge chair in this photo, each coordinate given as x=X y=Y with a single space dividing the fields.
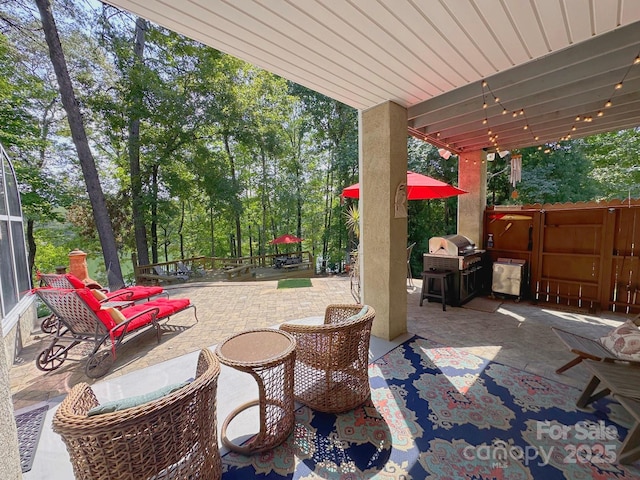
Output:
x=83 y=319
x=133 y=294
x=609 y=347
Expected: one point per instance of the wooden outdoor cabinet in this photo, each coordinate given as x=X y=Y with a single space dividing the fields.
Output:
x=580 y=255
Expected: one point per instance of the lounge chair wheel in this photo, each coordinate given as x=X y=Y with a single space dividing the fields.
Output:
x=49 y=324
x=98 y=364
x=51 y=358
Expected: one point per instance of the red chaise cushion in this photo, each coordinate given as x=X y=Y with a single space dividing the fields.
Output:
x=134 y=293
x=166 y=306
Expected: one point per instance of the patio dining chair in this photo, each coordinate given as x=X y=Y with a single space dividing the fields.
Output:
x=609 y=347
x=332 y=359
x=170 y=437
x=83 y=319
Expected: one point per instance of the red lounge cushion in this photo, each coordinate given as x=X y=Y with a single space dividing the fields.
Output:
x=75 y=281
x=135 y=293
x=166 y=308
x=86 y=295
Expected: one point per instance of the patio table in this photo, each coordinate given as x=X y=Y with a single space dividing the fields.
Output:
x=268 y=355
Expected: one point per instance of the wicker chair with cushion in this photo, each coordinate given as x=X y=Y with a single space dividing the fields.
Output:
x=332 y=359
x=173 y=437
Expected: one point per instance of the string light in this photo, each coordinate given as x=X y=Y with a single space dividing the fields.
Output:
x=527 y=126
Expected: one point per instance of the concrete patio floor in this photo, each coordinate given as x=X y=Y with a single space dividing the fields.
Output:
x=517 y=334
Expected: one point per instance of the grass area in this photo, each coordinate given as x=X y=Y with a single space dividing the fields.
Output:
x=294 y=283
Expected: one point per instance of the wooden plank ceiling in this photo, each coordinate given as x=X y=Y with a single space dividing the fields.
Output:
x=547 y=61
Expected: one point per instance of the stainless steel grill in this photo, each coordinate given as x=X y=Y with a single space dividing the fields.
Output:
x=458 y=254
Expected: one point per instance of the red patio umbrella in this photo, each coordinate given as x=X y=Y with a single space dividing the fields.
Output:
x=419 y=187
x=286 y=238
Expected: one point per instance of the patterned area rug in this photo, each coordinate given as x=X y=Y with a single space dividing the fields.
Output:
x=439 y=412
x=29 y=429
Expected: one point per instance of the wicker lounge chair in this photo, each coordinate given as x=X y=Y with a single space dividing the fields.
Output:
x=585 y=348
x=82 y=319
x=173 y=437
x=332 y=359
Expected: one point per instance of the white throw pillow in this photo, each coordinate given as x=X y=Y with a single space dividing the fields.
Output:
x=624 y=341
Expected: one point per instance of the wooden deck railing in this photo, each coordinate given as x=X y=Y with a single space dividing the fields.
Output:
x=168 y=272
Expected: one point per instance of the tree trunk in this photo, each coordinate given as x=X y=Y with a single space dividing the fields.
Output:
x=327 y=218
x=180 y=235
x=213 y=250
x=44 y=135
x=31 y=242
x=137 y=201
x=87 y=163
x=263 y=191
x=154 y=214
x=236 y=200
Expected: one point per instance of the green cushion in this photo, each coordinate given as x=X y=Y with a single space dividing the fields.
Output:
x=360 y=314
x=124 y=403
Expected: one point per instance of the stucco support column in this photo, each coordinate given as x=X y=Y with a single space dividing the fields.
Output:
x=472 y=177
x=383 y=233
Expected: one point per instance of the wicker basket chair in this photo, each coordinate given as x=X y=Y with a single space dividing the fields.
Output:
x=174 y=437
x=332 y=359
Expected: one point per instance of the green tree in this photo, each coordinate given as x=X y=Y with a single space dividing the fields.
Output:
x=614 y=156
x=76 y=124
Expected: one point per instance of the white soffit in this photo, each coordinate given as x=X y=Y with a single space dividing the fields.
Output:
x=366 y=52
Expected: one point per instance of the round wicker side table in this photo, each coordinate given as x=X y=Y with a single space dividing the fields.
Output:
x=269 y=356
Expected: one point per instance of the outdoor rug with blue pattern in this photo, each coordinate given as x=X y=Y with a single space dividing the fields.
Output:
x=29 y=426
x=443 y=413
